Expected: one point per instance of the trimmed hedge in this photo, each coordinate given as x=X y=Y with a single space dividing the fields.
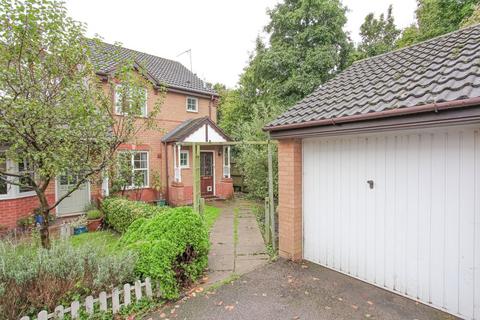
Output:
x=121 y=212
x=172 y=248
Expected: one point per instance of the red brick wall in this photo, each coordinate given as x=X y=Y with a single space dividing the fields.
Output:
x=290 y=198
x=13 y=209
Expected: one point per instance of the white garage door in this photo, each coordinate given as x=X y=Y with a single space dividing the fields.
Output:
x=399 y=210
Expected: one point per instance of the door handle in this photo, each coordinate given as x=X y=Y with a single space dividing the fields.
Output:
x=370 y=183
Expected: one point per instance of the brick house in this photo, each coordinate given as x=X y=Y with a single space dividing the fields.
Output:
x=379 y=173
x=188 y=114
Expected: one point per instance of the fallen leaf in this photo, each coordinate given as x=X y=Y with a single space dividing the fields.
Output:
x=264 y=294
x=354 y=306
x=296 y=318
x=290 y=280
x=229 y=308
x=177 y=306
x=370 y=303
x=340 y=299
x=367 y=315
x=219 y=303
x=304 y=266
x=173 y=311
x=199 y=289
x=307 y=293
x=315 y=279
x=162 y=315
x=327 y=308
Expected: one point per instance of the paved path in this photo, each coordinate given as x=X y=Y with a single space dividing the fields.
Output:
x=228 y=256
x=287 y=290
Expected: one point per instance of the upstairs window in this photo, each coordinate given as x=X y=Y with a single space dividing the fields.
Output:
x=123 y=101
x=192 y=104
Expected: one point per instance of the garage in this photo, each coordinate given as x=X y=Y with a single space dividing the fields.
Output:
x=379 y=173
x=399 y=210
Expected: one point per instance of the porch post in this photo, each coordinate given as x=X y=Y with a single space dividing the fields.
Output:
x=174 y=163
x=179 y=147
x=105 y=188
x=229 y=162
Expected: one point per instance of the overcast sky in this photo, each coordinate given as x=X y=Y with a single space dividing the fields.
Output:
x=221 y=33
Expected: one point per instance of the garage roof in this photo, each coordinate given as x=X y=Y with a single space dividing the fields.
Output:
x=441 y=70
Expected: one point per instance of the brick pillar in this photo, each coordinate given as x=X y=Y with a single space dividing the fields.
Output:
x=290 y=198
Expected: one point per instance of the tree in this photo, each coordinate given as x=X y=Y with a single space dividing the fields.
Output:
x=57 y=117
x=306 y=46
x=378 y=35
x=437 y=17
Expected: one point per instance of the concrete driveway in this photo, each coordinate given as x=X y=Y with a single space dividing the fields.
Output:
x=287 y=290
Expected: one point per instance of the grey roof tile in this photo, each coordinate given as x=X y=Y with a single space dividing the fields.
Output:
x=442 y=69
x=171 y=73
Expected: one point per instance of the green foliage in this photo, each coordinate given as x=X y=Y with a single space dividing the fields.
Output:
x=33 y=278
x=94 y=214
x=172 y=248
x=120 y=213
x=378 y=35
x=306 y=47
x=437 y=17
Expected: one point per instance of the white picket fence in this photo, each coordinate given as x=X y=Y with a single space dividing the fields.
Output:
x=102 y=300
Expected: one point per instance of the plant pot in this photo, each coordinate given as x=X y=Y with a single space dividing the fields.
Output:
x=94 y=225
x=80 y=230
x=161 y=202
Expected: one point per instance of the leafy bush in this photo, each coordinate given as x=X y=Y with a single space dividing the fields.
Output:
x=121 y=212
x=172 y=248
x=94 y=214
x=33 y=278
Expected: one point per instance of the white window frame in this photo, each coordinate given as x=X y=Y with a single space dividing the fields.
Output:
x=196 y=104
x=117 y=106
x=187 y=165
x=132 y=163
x=13 y=191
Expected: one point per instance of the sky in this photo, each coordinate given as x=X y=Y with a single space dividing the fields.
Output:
x=220 y=33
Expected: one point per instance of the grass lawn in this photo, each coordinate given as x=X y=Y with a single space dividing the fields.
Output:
x=211 y=215
x=106 y=239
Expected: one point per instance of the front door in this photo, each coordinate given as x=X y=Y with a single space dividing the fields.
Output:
x=206 y=173
x=76 y=201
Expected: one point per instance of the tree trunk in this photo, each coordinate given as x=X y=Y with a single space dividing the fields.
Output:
x=44 y=211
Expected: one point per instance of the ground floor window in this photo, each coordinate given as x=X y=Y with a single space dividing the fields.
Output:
x=133 y=168
x=11 y=190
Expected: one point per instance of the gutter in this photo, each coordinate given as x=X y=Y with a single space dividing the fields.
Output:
x=436 y=107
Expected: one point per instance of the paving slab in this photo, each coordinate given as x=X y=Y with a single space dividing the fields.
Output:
x=227 y=257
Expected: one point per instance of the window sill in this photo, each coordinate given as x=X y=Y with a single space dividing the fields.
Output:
x=192 y=111
x=18 y=196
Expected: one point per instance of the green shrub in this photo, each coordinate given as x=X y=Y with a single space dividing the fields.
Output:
x=94 y=214
x=172 y=248
x=33 y=278
x=121 y=212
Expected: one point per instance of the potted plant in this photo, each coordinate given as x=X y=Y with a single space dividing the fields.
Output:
x=156 y=185
x=79 y=225
x=94 y=220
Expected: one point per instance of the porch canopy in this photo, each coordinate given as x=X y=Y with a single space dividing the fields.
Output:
x=202 y=131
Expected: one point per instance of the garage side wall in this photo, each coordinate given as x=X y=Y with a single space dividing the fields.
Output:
x=290 y=198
